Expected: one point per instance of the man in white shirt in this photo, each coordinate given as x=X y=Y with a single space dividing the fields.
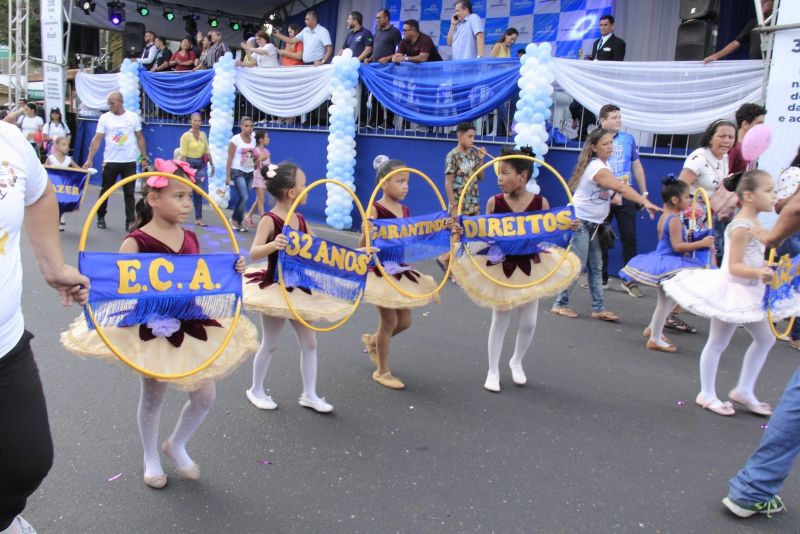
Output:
x=317 y=45
x=466 y=32
x=27 y=199
x=122 y=132
x=149 y=52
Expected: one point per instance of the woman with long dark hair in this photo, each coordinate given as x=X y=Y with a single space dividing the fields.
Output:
x=594 y=185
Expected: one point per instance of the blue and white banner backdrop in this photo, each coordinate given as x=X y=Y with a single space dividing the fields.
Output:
x=129 y=86
x=536 y=79
x=223 y=95
x=341 y=140
x=568 y=25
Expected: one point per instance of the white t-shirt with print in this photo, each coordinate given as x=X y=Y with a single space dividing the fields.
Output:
x=30 y=125
x=120 y=135
x=22 y=181
x=788 y=182
x=709 y=170
x=244 y=157
x=53 y=130
x=592 y=202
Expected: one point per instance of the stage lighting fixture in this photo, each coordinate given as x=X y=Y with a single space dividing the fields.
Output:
x=169 y=14
x=116 y=13
x=213 y=22
x=86 y=5
x=143 y=9
x=235 y=26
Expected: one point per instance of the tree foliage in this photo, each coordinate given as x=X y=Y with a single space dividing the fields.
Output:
x=35 y=28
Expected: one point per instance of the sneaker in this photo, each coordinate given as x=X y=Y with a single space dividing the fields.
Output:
x=632 y=289
x=742 y=509
x=101 y=223
x=318 y=405
x=262 y=403
x=20 y=526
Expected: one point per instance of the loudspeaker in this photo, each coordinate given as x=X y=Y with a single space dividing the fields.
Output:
x=696 y=40
x=84 y=40
x=133 y=39
x=699 y=9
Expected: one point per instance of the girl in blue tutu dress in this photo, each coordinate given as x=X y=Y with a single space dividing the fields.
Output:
x=673 y=254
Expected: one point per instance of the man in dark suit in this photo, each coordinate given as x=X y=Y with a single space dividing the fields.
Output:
x=608 y=47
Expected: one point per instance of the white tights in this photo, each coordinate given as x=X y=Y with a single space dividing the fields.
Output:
x=719 y=336
x=528 y=314
x=664 y=307
x=307 y=339
x=192 y=415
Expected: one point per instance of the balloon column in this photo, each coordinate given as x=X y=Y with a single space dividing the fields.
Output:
x=536 y=79
x=223 y=96
x=129 y=86
x=341 y=141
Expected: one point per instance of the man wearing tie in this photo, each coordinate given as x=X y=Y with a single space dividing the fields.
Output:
x=608 y=47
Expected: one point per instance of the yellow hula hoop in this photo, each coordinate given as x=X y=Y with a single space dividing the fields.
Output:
x=707 y=201
x=378 y=264
x=775 y=332
x=82 y=246
x=463 y=195
x=282 y=282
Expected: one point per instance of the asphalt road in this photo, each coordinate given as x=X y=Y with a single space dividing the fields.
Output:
x=604 y=438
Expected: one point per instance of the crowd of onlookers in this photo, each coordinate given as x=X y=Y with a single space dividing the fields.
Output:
x=41 y=134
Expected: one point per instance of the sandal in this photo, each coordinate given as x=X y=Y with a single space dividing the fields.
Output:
x=201 y=223
x=758 y=407
x=605 y=315
x=564 y=312
x=715 y=405
x=665 y=339
x=675 y=323
x=795 y=344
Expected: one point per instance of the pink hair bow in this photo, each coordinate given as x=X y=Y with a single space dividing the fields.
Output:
x=169 y=166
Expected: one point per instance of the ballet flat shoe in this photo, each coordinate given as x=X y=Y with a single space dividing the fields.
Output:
x=655 y=346
x=193 y=473
x=156 y=482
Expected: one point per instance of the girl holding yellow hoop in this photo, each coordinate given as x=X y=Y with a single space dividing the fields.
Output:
x=733 y=295
x=672 y=255
x=262 y=293
x=594 y=185
x=169 y=346
x=394 y=313
x=515 y=270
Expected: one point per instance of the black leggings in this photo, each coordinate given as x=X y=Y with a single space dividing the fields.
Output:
x=26 y=449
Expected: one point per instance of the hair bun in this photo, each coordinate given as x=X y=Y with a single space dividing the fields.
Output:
x=379 y=160
x=732 y=182
x=527 y=150
x=669 y=179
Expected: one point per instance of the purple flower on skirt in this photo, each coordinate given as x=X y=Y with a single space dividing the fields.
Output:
x=164 y=326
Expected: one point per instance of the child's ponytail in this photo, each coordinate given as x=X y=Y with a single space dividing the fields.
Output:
x=144 y=212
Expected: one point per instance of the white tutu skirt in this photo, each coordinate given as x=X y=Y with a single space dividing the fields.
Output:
x=716 y=294
x=381 y=293
x=314 y=307
x=160 y=356
x=488 y=294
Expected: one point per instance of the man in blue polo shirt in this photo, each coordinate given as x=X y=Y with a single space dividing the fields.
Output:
x=624 y=162
x=359 y=39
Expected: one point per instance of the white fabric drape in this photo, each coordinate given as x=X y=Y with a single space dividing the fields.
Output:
x=663 y=97
x=93 y=89
x=650 y=29
x=285 y=91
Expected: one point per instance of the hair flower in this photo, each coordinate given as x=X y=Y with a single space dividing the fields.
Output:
x=272 y=170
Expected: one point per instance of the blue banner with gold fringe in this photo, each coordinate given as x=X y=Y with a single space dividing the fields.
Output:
x=520 y=233
x=69 y=185
x=785 y=283
x=130 y=289
x=323 y=266
x=412 y=238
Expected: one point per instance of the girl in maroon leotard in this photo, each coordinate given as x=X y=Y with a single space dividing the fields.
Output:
x=394 y=314
x=512 y=178
x=263 y=294
x=168 y=345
